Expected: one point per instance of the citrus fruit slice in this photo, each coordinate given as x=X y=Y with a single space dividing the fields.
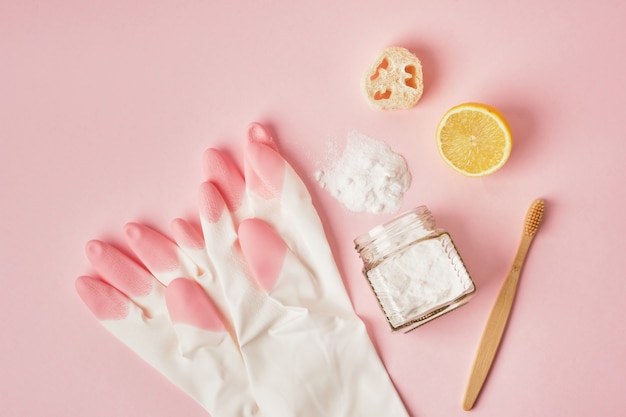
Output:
x=474 y=139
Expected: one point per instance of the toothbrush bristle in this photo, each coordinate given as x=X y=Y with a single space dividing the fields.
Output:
x=533 y=217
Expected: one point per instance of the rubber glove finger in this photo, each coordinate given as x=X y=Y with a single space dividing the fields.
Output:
x=197 y=322
x=277 y=188
x=276 y=268
x=125 y=274
x=221 y=171
x=104 y=301
x=159 y=254
x=258 y=133
x=123 y=317
x=190 y=239
x=216 y=219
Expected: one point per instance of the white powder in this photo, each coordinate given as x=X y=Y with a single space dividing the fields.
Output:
x=420 y=280
x=367 y=177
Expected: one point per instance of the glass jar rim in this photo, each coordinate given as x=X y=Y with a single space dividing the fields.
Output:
x=418 y=215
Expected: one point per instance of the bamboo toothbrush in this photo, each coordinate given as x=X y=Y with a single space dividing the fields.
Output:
x=502 y=307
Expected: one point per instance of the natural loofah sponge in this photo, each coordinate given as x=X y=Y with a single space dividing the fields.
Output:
x=395 y=80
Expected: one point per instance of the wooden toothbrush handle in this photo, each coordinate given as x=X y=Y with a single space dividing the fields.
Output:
x=495 y=326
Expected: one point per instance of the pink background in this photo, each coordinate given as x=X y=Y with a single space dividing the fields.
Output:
x=106 y=107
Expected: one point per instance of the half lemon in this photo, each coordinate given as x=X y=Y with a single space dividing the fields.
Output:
x=474 y=139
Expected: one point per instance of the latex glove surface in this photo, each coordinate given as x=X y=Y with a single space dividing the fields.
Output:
x=306 y=352
x=166 y=317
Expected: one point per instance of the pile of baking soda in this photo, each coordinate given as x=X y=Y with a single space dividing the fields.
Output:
x=367 y=177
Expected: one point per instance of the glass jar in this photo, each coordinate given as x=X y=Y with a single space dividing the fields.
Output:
x=414 y=269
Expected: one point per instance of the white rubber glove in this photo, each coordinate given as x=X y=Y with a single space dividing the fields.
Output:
x=166 y=317
x=306 y=352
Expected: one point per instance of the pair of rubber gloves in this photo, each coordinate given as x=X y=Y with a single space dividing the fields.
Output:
x=249 y=316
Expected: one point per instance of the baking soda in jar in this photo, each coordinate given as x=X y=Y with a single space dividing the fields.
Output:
x=414 y=269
